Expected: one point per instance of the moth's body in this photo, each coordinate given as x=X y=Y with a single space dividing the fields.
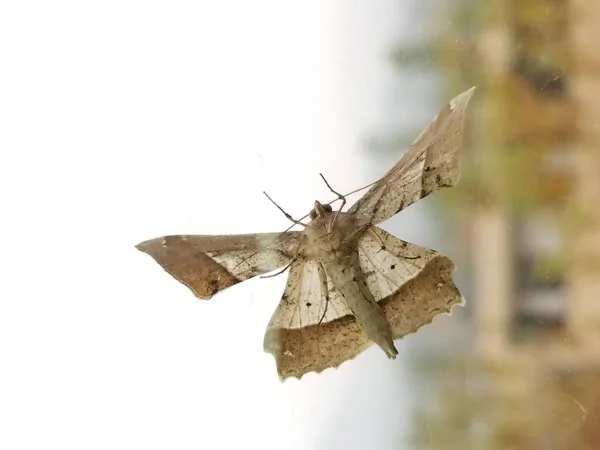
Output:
x=331 y=235
x=350 y=284
x=331 y=239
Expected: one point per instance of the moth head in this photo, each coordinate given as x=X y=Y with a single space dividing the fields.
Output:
x=319 y=210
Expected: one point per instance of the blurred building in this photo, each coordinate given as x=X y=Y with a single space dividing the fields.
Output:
x=535 y=238
x=529 y=205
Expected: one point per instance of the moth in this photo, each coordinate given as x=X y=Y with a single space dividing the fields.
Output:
x=350 y=283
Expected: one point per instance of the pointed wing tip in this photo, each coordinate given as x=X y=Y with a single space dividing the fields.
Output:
x=150 y=248
x=465 y=96
x=145 y=246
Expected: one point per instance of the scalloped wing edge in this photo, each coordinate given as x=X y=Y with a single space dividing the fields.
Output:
x=416 y=304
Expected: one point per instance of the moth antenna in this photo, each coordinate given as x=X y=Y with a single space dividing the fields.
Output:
x=304 y=217
x=360 y=189
x=340 y=197
x=289 y=217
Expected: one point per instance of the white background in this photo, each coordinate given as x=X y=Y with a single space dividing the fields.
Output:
x=125 y=120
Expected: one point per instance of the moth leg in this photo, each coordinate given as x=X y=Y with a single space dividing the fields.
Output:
x=324 y=290
x=324 y=293
x=279 y=272
x=340 y=196
x=379 y=238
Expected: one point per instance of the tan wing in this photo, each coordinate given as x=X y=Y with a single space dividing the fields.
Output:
x=309 y=298
x=412 y=284
x=393 y=267
x=309 y=303
x=389 y=262
x=431 y=163
x=209 y=264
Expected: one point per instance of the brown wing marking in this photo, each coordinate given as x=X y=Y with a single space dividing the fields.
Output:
x=210 y=264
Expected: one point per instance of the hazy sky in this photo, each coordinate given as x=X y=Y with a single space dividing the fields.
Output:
x=125 y=120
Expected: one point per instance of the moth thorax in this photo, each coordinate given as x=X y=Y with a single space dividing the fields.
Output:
x=319 y=210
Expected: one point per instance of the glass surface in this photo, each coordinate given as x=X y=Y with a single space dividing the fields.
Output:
x=127 y=120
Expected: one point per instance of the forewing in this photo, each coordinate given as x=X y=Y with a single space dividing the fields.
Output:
x=431 y=163
x=418 y=287
x=209 y=264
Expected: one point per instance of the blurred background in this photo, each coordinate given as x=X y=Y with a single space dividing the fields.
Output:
x=527 y=229
x=125 y=120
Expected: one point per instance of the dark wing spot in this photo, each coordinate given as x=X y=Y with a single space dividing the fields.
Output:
x=393 y=266
x=427 y=169
x=401 y=207
x=354 y=279
x=438 y=179
x=309 y=304
x=214 y=286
